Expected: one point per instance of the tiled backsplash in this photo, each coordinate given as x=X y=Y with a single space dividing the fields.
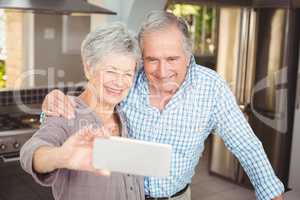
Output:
x=32 y=96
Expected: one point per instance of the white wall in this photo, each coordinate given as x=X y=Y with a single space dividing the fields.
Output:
x=130 y=12
x=139 y=9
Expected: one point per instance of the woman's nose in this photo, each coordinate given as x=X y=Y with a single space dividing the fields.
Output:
x=120 y=80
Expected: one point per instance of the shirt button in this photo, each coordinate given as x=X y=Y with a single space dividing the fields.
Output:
x=128 y=175
x=131 y=188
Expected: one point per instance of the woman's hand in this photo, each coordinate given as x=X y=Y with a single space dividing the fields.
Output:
x=56 y=103
x=77 y=151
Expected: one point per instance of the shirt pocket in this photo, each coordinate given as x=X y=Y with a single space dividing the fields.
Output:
x=184 y=137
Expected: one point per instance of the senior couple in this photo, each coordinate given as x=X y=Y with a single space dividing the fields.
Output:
x=167 y=98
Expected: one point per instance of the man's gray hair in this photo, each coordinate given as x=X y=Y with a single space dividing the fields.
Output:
x=113 y=38
x=160 y=20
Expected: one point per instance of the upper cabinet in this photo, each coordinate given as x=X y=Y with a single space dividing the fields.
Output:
x=247 y=3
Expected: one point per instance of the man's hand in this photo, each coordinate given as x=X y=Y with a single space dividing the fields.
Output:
x=56 y=103
x=278 y=198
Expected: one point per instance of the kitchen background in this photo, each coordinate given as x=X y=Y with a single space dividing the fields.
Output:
x=254 y=45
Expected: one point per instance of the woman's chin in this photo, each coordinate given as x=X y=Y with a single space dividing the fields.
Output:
x=113 y=100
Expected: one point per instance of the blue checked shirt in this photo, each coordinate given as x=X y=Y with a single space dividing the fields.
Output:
x=204 y=103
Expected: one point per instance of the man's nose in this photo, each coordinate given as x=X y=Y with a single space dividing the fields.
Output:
x=162 y=70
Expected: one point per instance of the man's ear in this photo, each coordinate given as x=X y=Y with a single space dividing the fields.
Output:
x=189 y=57
x=87 y=71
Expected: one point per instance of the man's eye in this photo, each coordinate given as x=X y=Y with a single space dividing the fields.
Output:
x=172 y=59
x=152 y=60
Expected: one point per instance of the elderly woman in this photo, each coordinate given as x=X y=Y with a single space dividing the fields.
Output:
x=60 y=153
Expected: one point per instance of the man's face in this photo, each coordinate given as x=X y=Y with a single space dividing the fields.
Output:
x=165 y=61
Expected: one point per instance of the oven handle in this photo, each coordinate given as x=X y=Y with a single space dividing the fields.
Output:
x=8 y=160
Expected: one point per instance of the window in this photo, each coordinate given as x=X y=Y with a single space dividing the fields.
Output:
x=203 y=29
x=2 y=49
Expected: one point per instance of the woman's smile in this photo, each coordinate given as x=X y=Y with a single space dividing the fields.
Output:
x=113 y=91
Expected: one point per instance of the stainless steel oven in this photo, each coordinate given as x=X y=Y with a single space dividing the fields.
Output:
x=16 y=184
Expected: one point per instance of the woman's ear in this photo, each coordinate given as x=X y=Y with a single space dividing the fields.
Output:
x=87 y=71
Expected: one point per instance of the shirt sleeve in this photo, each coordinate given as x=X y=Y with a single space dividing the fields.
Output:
x=239 y=138
x=52 y=133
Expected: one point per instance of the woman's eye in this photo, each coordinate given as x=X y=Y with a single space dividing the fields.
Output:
x=110 y=72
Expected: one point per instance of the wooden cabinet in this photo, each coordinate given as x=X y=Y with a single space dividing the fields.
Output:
x=276 y=3
x=246 y=3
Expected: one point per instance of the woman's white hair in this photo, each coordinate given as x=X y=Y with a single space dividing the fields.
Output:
x=158 y=21
x=113 y=38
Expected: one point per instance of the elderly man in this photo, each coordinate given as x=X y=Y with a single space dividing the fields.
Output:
x=177 y=102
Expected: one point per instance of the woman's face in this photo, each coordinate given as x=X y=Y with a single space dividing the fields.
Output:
x=112 y=77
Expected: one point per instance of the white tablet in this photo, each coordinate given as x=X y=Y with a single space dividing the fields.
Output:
x=132 y=156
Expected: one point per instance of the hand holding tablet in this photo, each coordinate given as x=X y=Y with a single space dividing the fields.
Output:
x=132 y=156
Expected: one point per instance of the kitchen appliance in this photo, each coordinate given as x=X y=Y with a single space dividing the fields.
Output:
x=294 y=176
x=15 y=130
x=258 y=58
x=54 y=6
x=15 y=183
